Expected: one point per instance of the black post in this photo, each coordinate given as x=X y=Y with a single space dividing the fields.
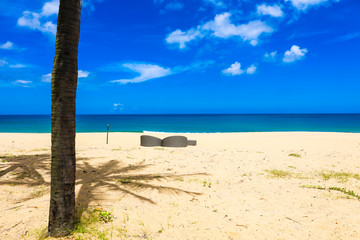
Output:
x=107 y=134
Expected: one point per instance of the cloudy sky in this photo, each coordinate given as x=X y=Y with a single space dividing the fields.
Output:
x=190 y=56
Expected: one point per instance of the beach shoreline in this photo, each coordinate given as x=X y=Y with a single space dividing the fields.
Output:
x=248 y=185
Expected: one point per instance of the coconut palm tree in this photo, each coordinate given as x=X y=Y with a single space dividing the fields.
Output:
x=63 y=97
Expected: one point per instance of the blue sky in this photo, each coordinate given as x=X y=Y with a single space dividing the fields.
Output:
x=193 y=56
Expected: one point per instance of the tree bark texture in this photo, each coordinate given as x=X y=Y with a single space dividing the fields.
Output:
x=63 y=111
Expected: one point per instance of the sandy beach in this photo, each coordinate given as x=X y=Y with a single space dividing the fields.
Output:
x=294 y=185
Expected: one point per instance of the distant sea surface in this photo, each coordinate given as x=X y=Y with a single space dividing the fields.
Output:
x=190 y=123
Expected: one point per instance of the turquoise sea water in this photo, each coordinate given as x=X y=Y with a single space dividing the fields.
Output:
x=190 y=123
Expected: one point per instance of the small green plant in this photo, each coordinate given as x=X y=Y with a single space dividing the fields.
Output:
x=313 y=187
x=274 y=173
x=159 y=148
x=106 y=216
x=292 y=167
x=345 y=191
x=294 y=155
x=341 y=176
x=86 y=219
x=208 y=184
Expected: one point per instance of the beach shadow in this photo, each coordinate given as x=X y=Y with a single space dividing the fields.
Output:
x=124 y=180
x=28 y=170
x=24 y=169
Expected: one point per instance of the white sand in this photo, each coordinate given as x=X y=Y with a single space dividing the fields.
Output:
x=218 y=189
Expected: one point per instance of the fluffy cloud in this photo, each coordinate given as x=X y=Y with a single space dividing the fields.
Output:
x=274 y=10
x=234 y=69
x=251 y=69
x=83 y=74
x=146 y=72
x=182 y=38
x=221 y=27
x=50 y=8
x=39 y=21
x=8 y=45
x=304 y=4
x=270 y=56
x=295 y=53
x=22 y=83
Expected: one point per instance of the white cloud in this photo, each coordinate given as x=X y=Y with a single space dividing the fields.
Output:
x=304 y=4
x=83 y=74
x=270 y=56
x=38 y=21
x=251 y=69
x=174 y=6
x=8 y=45
x=146 y=71
x=22 y=83
x=221 y=27
x=34 y=21
x=182 y=38
x=295 y=53
x=18 y=65
x=46 y=78
x=50 y=8
x=274 y=10
x=234 y=69
x=3 y=62
x=119 y=106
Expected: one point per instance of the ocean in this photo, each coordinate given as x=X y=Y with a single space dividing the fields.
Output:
x=204 y=123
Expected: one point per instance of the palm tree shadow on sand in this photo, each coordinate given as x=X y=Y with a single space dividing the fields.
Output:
x=29 y=170
x=112 y=176
x=24 y=169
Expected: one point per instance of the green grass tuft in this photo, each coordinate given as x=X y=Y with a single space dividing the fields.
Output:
x=343 y=190
x=294 y=155
x=341 y=176
x=274 y=173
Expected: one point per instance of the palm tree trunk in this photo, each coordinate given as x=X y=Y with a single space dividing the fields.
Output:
x=63 y=105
